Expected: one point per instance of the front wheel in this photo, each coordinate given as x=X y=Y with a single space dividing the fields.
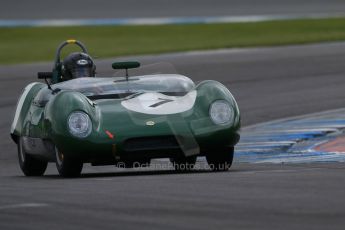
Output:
x=66 y=166
x=28 y=164
x=221 y=159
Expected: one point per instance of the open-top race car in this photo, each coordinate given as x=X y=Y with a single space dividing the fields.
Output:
x=126 y=119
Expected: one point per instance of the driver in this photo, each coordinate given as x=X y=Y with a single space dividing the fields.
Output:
x=77 y=65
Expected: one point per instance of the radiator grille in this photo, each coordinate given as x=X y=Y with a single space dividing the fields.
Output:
x=151 y=143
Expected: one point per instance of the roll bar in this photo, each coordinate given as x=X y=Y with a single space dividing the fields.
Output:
x=65 y=43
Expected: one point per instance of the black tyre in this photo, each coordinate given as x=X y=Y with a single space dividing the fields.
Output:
x=183 y=163
x=66 y=166
x=221 y=160
x=28 y=164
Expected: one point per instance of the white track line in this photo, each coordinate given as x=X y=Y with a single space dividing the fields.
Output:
x=158 y=21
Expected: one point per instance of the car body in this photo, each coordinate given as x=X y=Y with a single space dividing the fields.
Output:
x=128 y=120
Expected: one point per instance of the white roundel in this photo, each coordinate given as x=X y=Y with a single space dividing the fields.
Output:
x=82 y=62
x=160 y=104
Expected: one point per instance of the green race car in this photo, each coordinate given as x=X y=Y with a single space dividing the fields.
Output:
x=123 y=120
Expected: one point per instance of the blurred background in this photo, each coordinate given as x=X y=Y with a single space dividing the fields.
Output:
x=63 y=9
x=279 y=58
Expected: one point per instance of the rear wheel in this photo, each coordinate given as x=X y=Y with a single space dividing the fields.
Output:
x=28 y=164
x=182 y=163
x=67 y=166
x=221 y=160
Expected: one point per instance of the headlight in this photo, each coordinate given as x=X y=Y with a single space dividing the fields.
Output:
x=221 y=113
x=79 y=124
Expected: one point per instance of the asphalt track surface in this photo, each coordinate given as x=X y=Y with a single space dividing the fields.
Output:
x=269 y=83
x=80 y=9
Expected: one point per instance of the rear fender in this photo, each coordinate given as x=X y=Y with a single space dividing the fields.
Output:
x=23 y=105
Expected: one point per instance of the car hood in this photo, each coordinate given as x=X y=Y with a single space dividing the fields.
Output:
x=160 y=104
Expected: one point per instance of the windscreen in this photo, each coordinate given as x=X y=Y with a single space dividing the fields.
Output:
x=159 y=77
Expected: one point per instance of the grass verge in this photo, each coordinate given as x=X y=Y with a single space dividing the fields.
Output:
x=25 y=45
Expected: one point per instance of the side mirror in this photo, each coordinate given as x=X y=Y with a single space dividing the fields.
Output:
x=126 y=65
x=45 y=75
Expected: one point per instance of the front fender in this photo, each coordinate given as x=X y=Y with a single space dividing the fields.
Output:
x=202 y=126
x=58 y=110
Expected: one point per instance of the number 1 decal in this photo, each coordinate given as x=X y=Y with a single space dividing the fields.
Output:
x=161 y=102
